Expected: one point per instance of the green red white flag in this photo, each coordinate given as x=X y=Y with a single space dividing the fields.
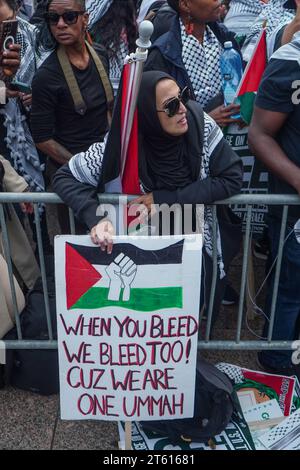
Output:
x=251 y=79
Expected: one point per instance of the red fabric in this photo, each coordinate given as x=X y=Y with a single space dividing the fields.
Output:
x=255 y=70
x=80 y=276
x=130 y=180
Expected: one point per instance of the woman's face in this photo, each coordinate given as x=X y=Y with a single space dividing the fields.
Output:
x=64 y=33
x=202 y=10
x=176 y=125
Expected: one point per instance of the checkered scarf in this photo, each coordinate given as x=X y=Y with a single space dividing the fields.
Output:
x=97 y=9
x=254 y=7
x=202 y=63
x=19 y=140
x=276 y=16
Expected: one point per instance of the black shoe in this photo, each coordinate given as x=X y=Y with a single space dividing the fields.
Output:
x=261 y=248
x=287 y=371
x=231 y=297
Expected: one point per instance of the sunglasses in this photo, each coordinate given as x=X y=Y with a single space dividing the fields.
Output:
x=173 y=105
x=69 y=17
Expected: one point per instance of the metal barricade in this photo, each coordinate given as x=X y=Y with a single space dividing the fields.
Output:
x=205 y=343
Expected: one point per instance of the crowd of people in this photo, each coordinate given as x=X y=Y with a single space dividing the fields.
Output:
x=56 y=127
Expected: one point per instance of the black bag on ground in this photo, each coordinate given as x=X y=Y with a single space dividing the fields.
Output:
x=35 y=370
x=215 y=402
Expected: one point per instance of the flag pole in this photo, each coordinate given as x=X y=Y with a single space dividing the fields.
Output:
x=137 y=60
x=128 y=439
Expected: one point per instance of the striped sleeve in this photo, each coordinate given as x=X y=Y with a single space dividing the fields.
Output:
x=212 y=134
x=86 y=166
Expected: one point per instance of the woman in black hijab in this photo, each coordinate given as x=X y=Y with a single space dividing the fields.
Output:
x=183 y=159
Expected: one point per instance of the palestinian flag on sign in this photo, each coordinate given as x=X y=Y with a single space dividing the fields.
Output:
x=251 y=79
x=132 y=278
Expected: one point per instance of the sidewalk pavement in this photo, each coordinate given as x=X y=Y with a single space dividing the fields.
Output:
x=31 y=422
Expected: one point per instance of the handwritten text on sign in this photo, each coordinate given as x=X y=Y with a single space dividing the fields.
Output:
x=119 y=363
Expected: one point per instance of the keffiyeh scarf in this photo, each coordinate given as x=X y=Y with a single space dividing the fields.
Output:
x=97 y=9
x=202 y=62
x=19 y=140
x=276 y=17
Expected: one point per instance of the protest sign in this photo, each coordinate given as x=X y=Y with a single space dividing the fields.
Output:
x=255 y=177
x=128 y=327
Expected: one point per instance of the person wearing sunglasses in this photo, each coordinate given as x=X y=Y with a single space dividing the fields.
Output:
x=188 y=42
x=183 y=159
x=69 y=114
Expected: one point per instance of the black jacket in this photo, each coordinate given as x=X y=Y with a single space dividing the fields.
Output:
x=225 y=180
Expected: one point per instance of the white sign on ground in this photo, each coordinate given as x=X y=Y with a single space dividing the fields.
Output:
x=128 y=327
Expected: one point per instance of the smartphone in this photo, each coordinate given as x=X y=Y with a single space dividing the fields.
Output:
x=8 y=34
x=20 y=86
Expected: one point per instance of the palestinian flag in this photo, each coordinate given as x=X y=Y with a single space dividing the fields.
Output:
x=132 y=278
x=251 y=79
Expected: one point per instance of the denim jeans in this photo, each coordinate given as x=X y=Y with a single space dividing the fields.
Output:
x=288 y=299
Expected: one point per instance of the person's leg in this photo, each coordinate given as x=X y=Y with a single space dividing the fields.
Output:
x=7 y=310
x=206 y=285
x=288 y=299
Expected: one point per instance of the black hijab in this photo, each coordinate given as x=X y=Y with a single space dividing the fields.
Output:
x=163 y=162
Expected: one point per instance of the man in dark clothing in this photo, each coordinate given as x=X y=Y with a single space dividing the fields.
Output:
x=59 y=129
x=275 y=138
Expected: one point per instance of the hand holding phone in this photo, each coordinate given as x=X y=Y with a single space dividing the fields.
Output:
x=8 y=34
x=20 y=86
x=9 y=50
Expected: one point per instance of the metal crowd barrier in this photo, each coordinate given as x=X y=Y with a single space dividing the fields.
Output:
x=205 y=343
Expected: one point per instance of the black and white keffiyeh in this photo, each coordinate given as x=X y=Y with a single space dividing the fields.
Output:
x=86 y=167
x=242 y=14
x=97 y=9
x=18 y=139
x=276 y=17
x=202 y=62
x=116 y=64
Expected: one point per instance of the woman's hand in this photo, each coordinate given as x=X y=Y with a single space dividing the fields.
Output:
x=26 y=99
x=10 y=60
x=222 y=114
x=144 y=206
x=102 y=235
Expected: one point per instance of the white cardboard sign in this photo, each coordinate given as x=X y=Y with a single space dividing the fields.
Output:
x=128 y=327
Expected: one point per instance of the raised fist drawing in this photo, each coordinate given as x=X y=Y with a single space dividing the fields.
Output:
x=121 y=272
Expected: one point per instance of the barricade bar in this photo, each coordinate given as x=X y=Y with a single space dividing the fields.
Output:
x=253 y=199
x=248 y=200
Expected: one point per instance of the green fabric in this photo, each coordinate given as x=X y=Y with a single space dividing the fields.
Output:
x=247 y=104
x=144 y=300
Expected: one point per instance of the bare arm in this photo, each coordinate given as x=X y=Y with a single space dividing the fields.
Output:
x=263 y=130
x=55 y=151
x=293 y=27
